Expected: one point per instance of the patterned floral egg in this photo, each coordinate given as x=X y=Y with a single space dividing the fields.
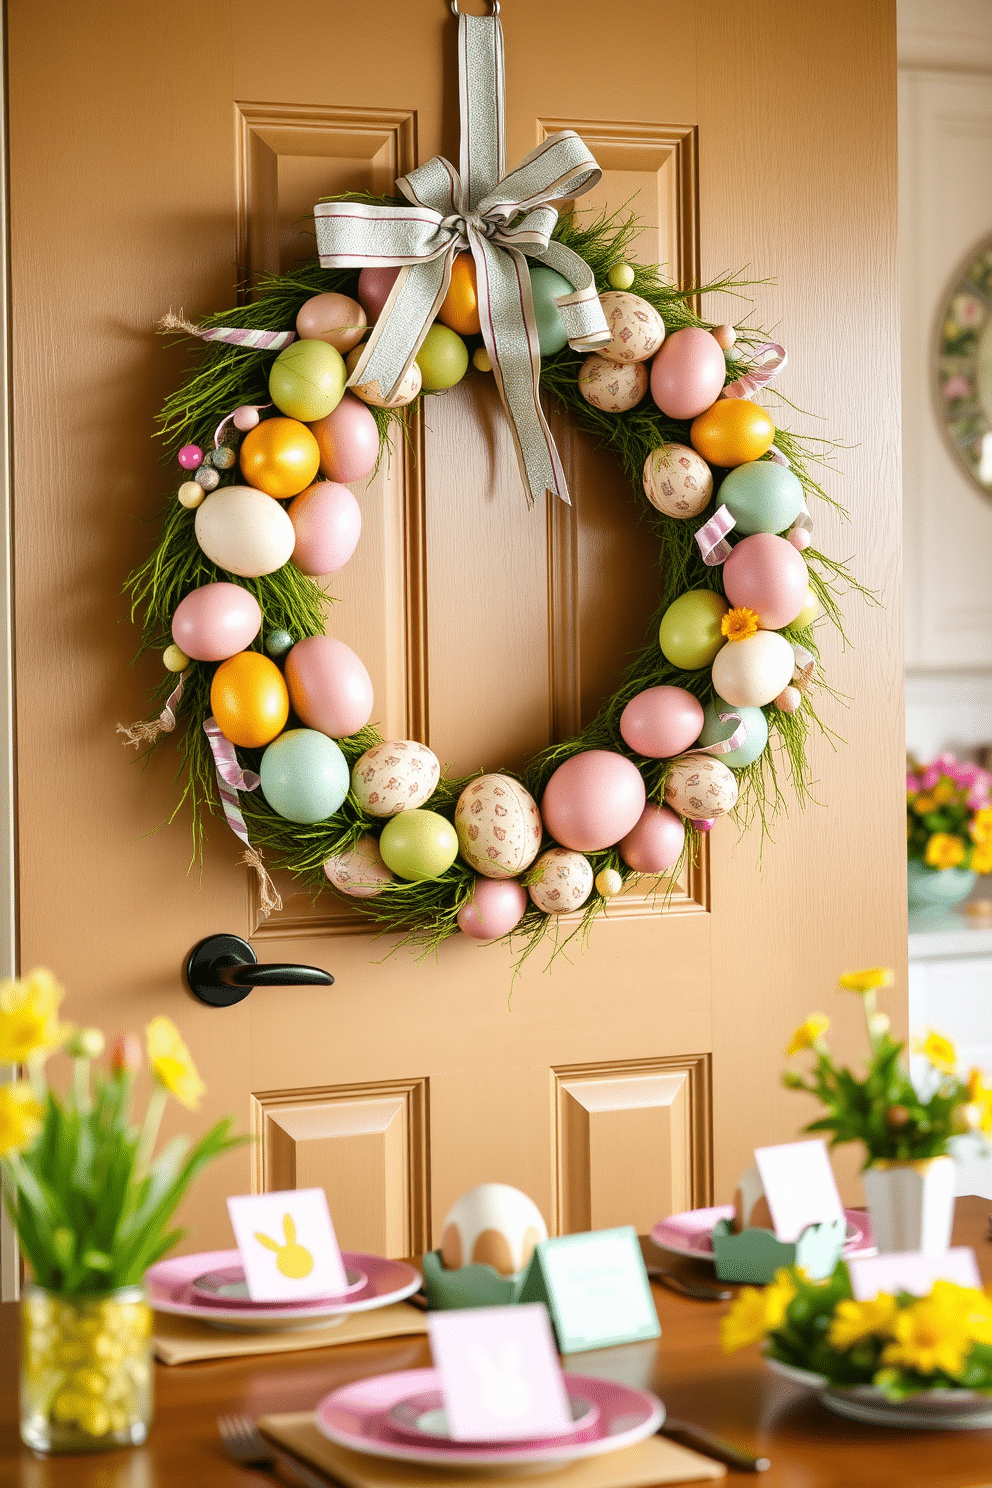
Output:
x=700 y=787
x=612 y=386
x=677 y=481
x=636 y=328
x=562 y=880
x=389 y=778
x=498 y=825
x=361 y=871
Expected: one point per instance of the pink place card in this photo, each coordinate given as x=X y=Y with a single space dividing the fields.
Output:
x=288 y=1246
x=908 y=1271
x=799 y=1185
x=500 y=1374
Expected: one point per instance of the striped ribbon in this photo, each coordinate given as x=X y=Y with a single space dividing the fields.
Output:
x=723 y=746
x=231 y=778
x=147 y=732
x=711 y=538
x=504 y=220
x=767 y=362
x=251 y=340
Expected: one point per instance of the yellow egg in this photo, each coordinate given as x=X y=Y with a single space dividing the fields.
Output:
x=460 y=306
x=280 y=456
x=809 y=611
x=732 y=432
x=249 y=700
x=608 y=883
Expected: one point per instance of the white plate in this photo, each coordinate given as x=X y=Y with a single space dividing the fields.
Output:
x=930 y=1410
x=422 y=1417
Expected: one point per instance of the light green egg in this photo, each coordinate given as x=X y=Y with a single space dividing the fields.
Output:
x=305 y=776
x=306 y=381
x=690 y=634
x=546 y=286
x=418 y=845
x=762 y=496
x=442 y=358
x=713 y=731
x=809 y=611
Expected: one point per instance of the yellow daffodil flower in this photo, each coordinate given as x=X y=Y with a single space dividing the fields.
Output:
x=940 y=1052
x=739 y=624
x=867 y=981
x=981 y=825
x=981 y=857
x=980 y=1096
x=756 y=1312
x=21 y=1116
x=29 y=1026
x=808 y=1034
x=853 y=1321
x=974 y=1307
x=929 y=1336
x=944 y=850
x=172 y=1063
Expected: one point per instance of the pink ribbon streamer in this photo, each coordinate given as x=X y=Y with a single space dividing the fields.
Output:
x=146 y=733
x=711 y=538
x=231 y=779
x=766 y=363
x=724 y=746
x=251 y=340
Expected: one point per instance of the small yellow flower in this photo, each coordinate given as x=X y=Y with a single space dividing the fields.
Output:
x=944 y=850
x=20 y=1117
x=756 y=1312
x=867 y=981
x=739 y=624
x=944 y=791
x=29 y=1026
x=981 y=826
x=970 y=1304
x=980 y=1096
x=929 y=1336
x=981 y=857
x=172 y=1062
x=940 y=1052
x=853 y=1321
x=808 y=1034
x=923 y=805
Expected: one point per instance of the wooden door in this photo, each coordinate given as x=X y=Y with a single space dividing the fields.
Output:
x=152 y=148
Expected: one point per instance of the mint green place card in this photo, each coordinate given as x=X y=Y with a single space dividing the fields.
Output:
x=595 y=1287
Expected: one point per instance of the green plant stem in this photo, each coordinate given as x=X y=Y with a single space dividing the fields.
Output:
x=81 y=1085
x=149 y=1130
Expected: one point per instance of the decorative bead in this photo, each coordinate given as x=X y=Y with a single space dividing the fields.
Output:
x=207 y=477
x=608 y=883
x=799 y=538
x=190 y=456
x=175 y=660
x=245 y=417
x=191 y=494
x=724 y=336
x=621 y=276
x=704 y=823
x=278 y=642
x=480 y=360
x=222 y=458
x=788 y=699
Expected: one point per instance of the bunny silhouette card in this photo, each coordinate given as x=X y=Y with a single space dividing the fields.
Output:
x=288 y=1246
x=500 y=1375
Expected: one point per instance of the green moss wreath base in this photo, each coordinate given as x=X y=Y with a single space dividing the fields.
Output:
x=425 y=913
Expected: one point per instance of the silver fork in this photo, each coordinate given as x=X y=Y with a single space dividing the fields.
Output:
x=246 y=1445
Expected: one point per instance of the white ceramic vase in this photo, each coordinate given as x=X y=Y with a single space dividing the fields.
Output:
x=911 y=1204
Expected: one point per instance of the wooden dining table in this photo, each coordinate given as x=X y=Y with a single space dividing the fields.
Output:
x=734 y=1396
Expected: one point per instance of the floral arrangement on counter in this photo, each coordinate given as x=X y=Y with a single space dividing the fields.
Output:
x=884 y=1109
x=949 y=814
x=901 y=1344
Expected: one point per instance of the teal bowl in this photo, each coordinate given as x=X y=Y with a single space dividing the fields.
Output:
x=938 y=888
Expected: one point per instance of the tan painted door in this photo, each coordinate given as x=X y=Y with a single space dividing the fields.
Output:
x=154 y=146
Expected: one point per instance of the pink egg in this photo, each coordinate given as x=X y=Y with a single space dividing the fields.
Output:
x=766 y=574
x=374 y=287
x=328 y=686
x=655 y=844
x=334 y=318
x=496 y=906
x=661 y=721
x=328 y=523
x=593 y=800
x=216 y=621
x=688 y=373
x=348 y=440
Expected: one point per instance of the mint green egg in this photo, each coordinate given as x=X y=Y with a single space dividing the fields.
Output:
x=546 y=286
x=418 y=844
x=690 y=634
x=442 y=358
x=713 y=731
x=305 y=776
x=762 y=496
x=306 y=381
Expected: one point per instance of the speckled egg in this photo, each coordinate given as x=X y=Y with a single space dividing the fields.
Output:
x=636 y=328
x=700 y=787
x=677 y=481
x=612 y=386
x=498 y=825
x=360 y=872
x=562 y=880
x=394 y=777
x=492 y=1225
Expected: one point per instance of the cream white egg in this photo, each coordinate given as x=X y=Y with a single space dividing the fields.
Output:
x=612 y=386
x=636 y=328
x=244 y=531
x=562 y=881
x=360 y=872
x=752 y=672
x=677 y=481
x=394 y=777
x=699 y=786
x=492 y=1225
x=498 y=825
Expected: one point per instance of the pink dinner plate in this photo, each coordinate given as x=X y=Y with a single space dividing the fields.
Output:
x=170 y=1283
x=689 y=1234
x=228 y=1288
x=422 y=1417
x=357 y=1417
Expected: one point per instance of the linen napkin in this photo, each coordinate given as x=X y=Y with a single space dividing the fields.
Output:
x=650 y=1462
x=182 y=1340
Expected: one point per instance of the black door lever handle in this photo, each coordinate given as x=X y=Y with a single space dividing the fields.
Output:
x=222 y=969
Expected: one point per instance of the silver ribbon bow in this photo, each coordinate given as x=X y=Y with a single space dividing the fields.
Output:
x=504 y=220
